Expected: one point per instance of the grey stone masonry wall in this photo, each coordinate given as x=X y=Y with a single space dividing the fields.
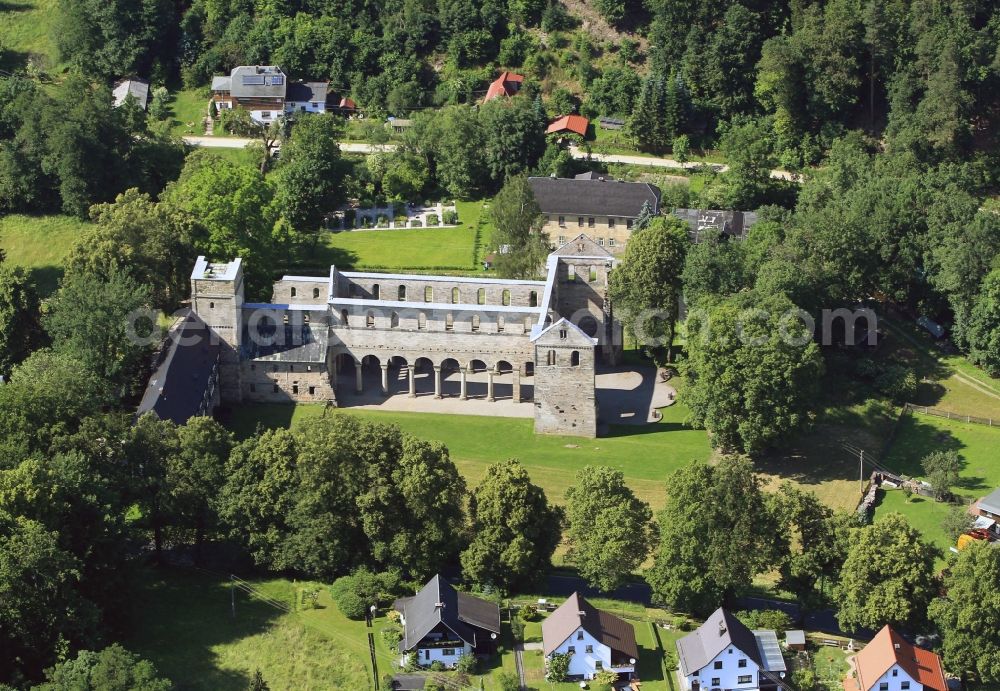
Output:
x=217 y=297
x=565 y=401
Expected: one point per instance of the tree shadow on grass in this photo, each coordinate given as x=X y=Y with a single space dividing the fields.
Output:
x=46 y=279
x=13 y=60
x=179 y=618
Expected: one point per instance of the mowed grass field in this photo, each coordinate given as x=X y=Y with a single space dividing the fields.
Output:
x=918 y=435
x=39 y=243
x=409 y=248
x=26 y=32
x=183 y=622
x=645 y=455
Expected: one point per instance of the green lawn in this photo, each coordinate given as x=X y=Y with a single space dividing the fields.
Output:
x=452 y=249
x=645 y=455
x=918 y=435
x=187 y=110
x=39 y=243
x=26 y=33
x=182 y=621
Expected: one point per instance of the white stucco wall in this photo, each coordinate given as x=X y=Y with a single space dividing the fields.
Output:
x=730 y=673
x=310 y=107
x=895 y=683
x=582 y=663
x=428 y=656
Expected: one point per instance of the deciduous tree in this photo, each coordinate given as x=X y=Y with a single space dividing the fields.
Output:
x=608 y=529
x=887 y=578
x=520 y=243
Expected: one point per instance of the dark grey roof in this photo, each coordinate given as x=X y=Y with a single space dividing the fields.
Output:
x=576 y=612
x=991 y=502
x=701 y=222
x=258 y=81
x=178 y=387
x=136 y=88
x=408 y=682
x=439 y=603
x=307 y=92
x=719 y=631
x=590 y=197
x=221 y=83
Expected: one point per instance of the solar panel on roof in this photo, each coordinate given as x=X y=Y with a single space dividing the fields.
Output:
x=253 y=80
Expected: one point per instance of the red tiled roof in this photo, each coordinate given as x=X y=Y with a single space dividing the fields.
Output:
x=888 y=648
x=347 y=104
x=569 y=123
x=507 y=84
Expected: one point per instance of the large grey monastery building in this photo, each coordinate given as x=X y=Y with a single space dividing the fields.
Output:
x=322 y=333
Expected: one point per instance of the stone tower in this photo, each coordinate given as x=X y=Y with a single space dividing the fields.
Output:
x=565 y=400
x=217 y=298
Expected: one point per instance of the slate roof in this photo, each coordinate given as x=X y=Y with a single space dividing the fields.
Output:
x=137 y=88
x=719 y=631
x=888 y=648
x=439 y=603
x=178 y=386
x=258 y=81
x=575 y=613
x=307 y=92
x=589 y=197
x=576 y=124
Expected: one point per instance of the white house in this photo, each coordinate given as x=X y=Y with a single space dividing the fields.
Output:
x=593 y=639
x=890 y=663
x=724 y=654
x=265 y=92
x=441 y=624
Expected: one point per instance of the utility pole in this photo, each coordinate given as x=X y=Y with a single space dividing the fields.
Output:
x=861 y=472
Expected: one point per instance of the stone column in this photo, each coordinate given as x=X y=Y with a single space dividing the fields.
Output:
x=465 y=393
x=385 y=379
x=489 y=386
x=358 y=385
x=517 y=384
x=413 y=382
x=437 y=381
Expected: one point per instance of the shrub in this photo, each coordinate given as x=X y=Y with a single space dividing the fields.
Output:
x=605 y=678
x=416 y=223
x=558 y=667
x=450 y=217
x=804 y=679
x=392 y=636
x=765 y=619
x=362 y=589
x=529 y=613
x=438 y=666
x=897 y=382
x=466 y=664
x=432 y=220
x=394 y=616
x=681 y=623
x=508 y=681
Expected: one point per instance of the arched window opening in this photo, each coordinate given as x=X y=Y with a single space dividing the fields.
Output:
x=449 y=322
x=421 y=321
x=533 y=299
x=394 y=320
x=501 y=323
x=455 y=296
x=475 y=322
x=551 y=358
x=343 y=318
x=401 y=293
x=481 y=296
x=370 y=320
x=505 y=299
x=293 y=291
x=315 y=293
x=428 y=294
x=375 y=292
x=574 y=359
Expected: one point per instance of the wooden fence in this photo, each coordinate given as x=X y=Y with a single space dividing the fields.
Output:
x=937 y=412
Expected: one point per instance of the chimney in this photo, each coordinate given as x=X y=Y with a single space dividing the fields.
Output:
x=438 y=605
x=722 y=627
x=582 y=614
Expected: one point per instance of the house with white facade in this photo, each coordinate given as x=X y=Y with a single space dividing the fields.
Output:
x=891 y=663
x=441 y=624
x=723 y=654
x=267 y=94
x=593 y=639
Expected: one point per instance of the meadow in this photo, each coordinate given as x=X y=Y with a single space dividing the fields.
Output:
x=39 y=244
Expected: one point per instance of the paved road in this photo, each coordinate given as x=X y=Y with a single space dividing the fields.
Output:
x=577 y=153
